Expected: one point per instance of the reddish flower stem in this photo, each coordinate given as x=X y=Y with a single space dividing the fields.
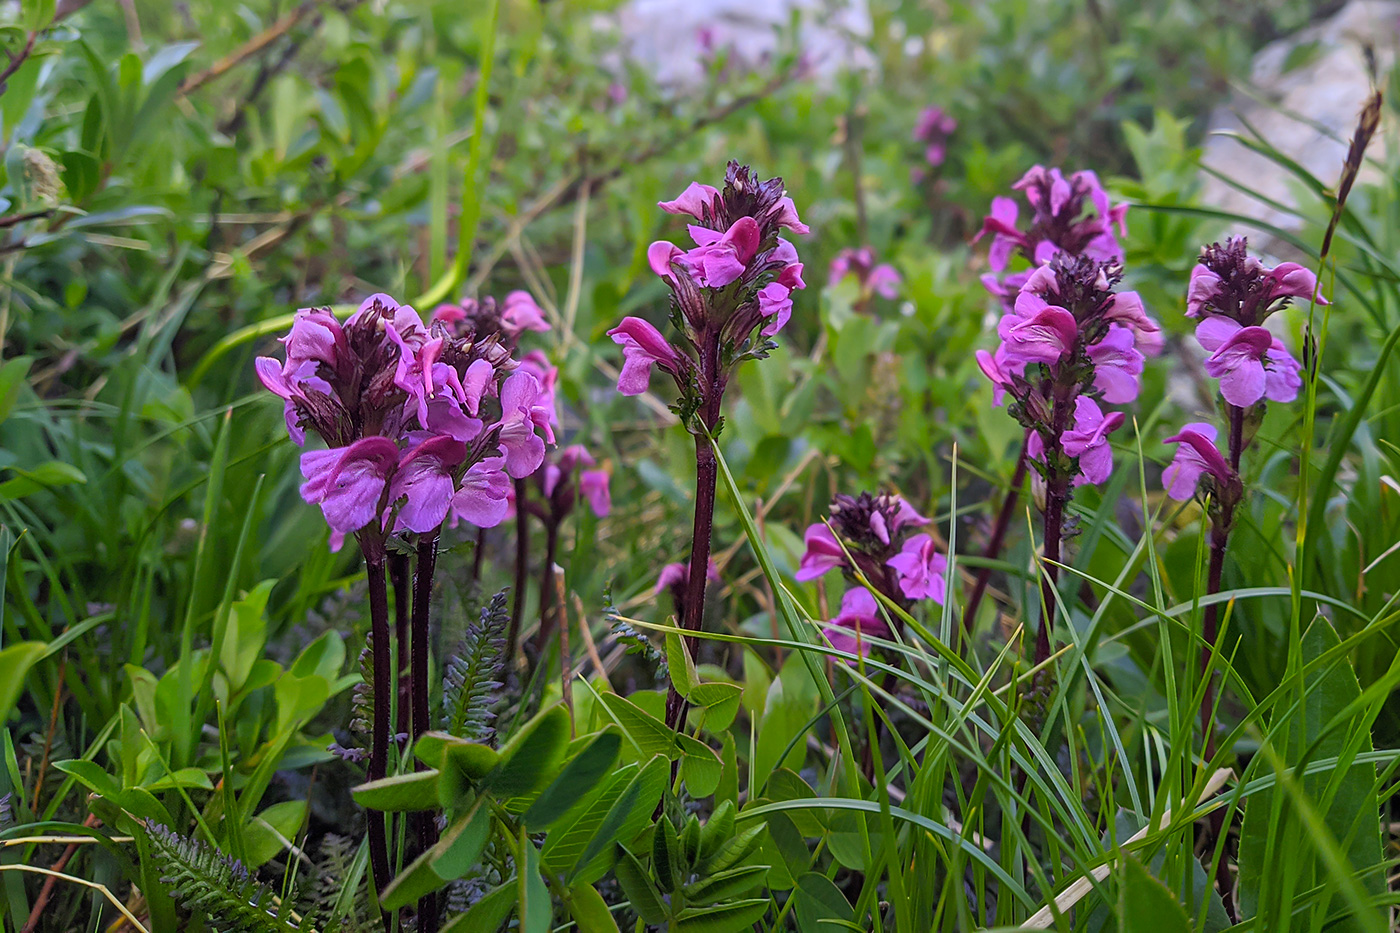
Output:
x=424 y=824
x=547 y=584
x=399 y=580
x=522 y=563
x=998 y=538
x=379 y=739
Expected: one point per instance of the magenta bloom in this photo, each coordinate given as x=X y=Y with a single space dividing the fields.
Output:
x=423 y=481
x=1249 y=362
x=881 y=279
x=1117 y=365
x=775 y=303
x=823 y=553
x=1001 y=222
x=693 y=201
x=991 y=368
x=594 y=486
x=720 y=258
x=790 y=276
x=921 y=569
x=347 y=482
x=521 y=415
x=642 y=347
x=547 y=375
x=1203 y=288
x=676 y=575
x=484 y=497
x=520 y=313
x=859 y=618
x=315 y=335
x=787 y=217
x=1088 y=440
x=1196 y=454
x=905 y=516
x=1290 y=280
x=1043 y=338
x=661 y=255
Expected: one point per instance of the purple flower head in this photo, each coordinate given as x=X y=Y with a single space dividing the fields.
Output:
x=878 y=279
x=1230 y=283
x=519 y=313
x=697 y=200
x=1088 y=440
x=992 y=368
x=921 y=569
x=483 y=498
x=1249 y=362
x=423 y=484
x=1046 y=337
x=1196 y=455
x=522 y=415
x=347 y=483
x=774 y=303
x=858 y=619
x=720 y=258
x=1070 y=215
x=316 y=336
x=823 y=553
x=1117 y=365
x=642 y=347
x=933 y=129
x=594 y=484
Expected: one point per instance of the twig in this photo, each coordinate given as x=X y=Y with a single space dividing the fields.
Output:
x=250 y=48
x=53 y=727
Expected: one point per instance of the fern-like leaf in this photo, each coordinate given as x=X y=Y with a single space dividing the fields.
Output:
x=635 y=642
x=216 y=886
x=473 y=675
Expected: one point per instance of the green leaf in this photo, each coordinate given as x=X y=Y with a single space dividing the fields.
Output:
x=48 y=475
x=717 y=830
x=536 y=910
x=12 y=375
x=577 y=778
x=725 y=918
x=629 y=813
x=1144 y=903
x=681 y=665
x=272 y=830
x=459 y=850
x=590 y=911
x=15 y=662
x=637 y=885
x=567 y=840
x=666 y=864
x=818 y=900
x=532 y=755
x=720 y=702
x=1353 y=815
x=403 y=792
x=486 y=914
x=724 y=885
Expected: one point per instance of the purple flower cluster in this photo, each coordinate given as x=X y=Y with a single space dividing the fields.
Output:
x=875 y=534
x=1070 y=335
x=1232 y=294
x=1068 y=215
x=873 y=278
x=739 y=276
x=423 y=422
x=933 y=128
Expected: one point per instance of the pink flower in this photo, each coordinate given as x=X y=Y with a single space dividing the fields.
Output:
x=905 y=515
x=1204 y=286
x=880 y=279
x=484 y=497
x=315 y=335
x=347 y=482
x=774 y=302
x=1088 y=440
x=1290 y=280
x=693 y=201
x=1117 y=365
x=1196 y=454
x=787 y=216
x=594 y=486
x=720 y=258
x=1238 y=361
x=790 y=275
x=991 y=368
x=1126 y=308
x=423 y=481
x=859 y=618
x=661 y=255
x=521 y=313
x=677 y=574
x=823 y=553
x=521 y=415
x=1044 y=338
x=1002 y=223
x=547 y=375
x=290 y=385
x=921 y=569
x=642 y=347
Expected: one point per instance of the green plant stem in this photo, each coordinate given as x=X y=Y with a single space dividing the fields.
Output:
x=424 y=825
x=379 y=739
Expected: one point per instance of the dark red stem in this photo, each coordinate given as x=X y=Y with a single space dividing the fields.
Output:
x=379 y=739
x=994 y=543
x=399 y=580
x=547 y=586
x=423 y=822
x=522 y=563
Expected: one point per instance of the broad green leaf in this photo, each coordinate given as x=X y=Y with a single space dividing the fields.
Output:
x=577 y=778
x=399 y=793
x=637 y=885
x=818 y=900
x=720 y=702
x=15 y=662
x=459 y=850
x=536 y=910
x=567 y=840
x=1144 y=903
x=723 y=918
x=532 y=755
x=48 y=475
x=627 y=816
x=681 y=665
x=272 y=830
x=666 y=863
x=590 y=911
x=724 y=885
x=486 y=914
x=12 y=375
